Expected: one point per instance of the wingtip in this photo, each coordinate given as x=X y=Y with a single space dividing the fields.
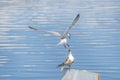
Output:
x=32 y=28
x=59 y=66
x=29 y=26
x=78 y=15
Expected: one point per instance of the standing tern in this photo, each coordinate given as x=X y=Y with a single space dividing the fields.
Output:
x=63 y=36
x=68 y=61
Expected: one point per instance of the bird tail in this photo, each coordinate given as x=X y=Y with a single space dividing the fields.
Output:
x=60 y=65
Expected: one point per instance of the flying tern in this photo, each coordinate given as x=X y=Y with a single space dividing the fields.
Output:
x=63 y=36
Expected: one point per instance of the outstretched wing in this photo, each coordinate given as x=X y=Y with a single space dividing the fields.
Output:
x=49 y=32
x=73 y=23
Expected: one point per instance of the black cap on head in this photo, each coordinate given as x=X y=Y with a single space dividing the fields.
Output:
x=69 y=50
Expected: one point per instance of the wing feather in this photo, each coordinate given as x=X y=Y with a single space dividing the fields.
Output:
x=49 y=32
x=73 y=23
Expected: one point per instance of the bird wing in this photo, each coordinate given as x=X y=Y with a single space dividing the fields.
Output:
x=49 y=32
x=66 y=61
x=73 y=23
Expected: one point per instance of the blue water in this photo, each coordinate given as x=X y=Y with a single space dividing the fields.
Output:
x=31 y=55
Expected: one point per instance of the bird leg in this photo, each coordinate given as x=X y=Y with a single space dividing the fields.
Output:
x=64 y=45
x=68 y=45
x=69 y=67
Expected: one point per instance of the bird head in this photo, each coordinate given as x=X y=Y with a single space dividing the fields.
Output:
x=69 y=51
x=69 y=35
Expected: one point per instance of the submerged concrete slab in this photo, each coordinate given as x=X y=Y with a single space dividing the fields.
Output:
x=73 y=74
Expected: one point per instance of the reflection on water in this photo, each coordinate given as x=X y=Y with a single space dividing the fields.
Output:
x=29 y=55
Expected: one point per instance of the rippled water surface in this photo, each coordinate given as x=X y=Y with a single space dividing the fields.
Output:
x=32 y=55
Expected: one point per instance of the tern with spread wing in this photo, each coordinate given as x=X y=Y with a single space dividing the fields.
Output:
x=63 y=36
x=68 y=61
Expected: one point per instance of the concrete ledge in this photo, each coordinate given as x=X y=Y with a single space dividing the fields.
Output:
x=73 y=74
